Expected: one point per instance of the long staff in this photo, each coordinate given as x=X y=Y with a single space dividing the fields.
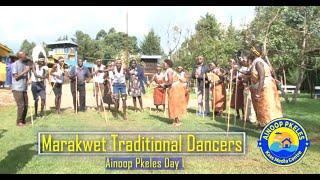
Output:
x=203 y=95
x=246 y=110
x=30 y=106
x=52 y=88
x=76 y=87
x=31 y=114
x=101 y=99
x=94 y=87
x=166 y=104
x=214 y=99
x=197 y=96
x=230 y=94
x=235 y=98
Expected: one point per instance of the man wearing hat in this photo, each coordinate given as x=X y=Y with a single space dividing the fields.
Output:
x=98 y=79
x=38 y=87
x=198 y=73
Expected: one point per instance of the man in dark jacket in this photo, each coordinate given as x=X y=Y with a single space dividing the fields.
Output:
x=199 y=73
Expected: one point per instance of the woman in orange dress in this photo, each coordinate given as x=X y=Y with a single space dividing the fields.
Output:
x=237 y=99
x=176 y=92
x=218 y=90
x=159 y=96
x=264 y=93
x=183 y=78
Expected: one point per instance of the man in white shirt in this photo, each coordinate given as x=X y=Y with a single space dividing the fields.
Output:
x=38 y=87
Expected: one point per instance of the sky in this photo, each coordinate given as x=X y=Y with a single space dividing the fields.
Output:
x=47 y=23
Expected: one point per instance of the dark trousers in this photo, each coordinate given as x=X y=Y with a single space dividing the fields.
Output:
x=21 y=98
x=81 y=88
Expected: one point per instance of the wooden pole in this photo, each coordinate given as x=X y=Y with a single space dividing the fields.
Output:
x=101 y=99
x=76 y=87
x=230 y=95
x=226 y=109
x=31 y=114
x=285 y=81
x=203 y=95
x=246 y=109
x=52 y=88
x=214 y=99
x=94 y=85
x=235 y=98
x=197 y=96
x=166 y=102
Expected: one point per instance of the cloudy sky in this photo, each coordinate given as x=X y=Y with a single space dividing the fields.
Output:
x=46 y=24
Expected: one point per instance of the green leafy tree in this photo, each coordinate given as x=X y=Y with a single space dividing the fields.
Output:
x=27 y=47
x=151 y=44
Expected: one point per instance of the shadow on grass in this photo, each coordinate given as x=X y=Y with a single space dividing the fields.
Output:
x=2 y=131
x=17 y=158
x=163 y=119
x=53 y=109
x=221 y=123
x=46 y=113
x=189 y=110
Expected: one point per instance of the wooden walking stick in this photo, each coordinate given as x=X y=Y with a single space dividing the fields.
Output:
x=246 y=109
x=166 y=102
x=230 y=96
x=101 y=99
x=197 y=96
x=214 y=99
x=94 y=85
x=31 y=114
x=235 y=98
x=203 y=95
x=52 y=88
x=226 y=109
x=76 y=87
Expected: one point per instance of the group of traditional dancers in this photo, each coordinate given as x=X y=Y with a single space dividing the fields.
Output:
x=250 y=81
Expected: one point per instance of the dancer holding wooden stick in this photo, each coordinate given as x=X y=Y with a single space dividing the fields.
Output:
x=202 y=86
x=39 y=73
x=265 y=96
x=79 y=76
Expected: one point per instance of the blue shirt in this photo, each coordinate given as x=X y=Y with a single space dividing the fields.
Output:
x=82 y=74
x=20 y=84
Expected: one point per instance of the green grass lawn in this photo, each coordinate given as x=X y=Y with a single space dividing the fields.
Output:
x=18 y=145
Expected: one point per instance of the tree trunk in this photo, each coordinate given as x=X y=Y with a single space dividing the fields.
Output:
x=302 y=67
x=310 y=84
x=301 y=78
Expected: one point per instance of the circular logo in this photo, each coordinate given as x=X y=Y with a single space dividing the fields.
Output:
x=283 y=142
